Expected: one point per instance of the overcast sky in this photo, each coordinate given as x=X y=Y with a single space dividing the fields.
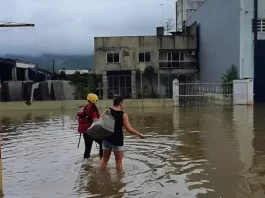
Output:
x=69 y=26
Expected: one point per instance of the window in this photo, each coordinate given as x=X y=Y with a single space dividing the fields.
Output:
x=260 y=25
x=113 y=57
x=144 y=57
x=175 y=56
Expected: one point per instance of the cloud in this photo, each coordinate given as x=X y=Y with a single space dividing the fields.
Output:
x=69 y=26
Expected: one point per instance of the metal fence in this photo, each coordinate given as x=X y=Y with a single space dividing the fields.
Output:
x=194 y=94
x=160 y=86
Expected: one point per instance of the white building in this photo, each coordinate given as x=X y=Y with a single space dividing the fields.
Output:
x=73 y=71
x=226 y=37
x=184 y=9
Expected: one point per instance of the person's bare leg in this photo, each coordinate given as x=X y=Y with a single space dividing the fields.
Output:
x=118 y=159
x=105 y=159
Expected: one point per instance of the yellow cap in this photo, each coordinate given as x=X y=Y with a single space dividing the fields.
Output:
x=93 y=98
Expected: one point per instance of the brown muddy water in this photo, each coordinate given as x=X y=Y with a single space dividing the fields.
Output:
x=209 y=152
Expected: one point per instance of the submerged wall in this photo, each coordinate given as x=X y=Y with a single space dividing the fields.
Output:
x=73 y=104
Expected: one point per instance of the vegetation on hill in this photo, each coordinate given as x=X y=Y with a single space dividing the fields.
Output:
x=45 y=61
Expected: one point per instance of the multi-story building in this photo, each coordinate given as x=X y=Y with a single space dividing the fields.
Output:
x=184 y=9
x=119 y=59
x=228 y=36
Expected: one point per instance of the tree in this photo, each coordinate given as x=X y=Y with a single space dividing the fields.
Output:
x=149 y=73
x=54 y=76
x=62 y=76
x=230 y=74
x=227 y=78
x=84 y=84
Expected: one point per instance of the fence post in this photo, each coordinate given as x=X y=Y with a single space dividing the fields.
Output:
x=141 y=79
x=175 y=87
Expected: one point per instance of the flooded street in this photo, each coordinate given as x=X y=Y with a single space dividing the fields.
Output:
x=208 y=152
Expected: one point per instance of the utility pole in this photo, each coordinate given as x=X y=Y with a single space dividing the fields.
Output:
x=6 y=24
x=53 y=67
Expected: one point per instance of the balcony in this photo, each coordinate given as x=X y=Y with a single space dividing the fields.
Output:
x=165 y=64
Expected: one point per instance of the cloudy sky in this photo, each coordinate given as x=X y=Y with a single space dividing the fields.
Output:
x=68 y=26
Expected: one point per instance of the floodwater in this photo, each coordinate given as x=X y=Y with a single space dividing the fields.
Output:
x=205 y=152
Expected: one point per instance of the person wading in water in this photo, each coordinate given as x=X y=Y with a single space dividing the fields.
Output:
x=87 y=114
x=115 y=141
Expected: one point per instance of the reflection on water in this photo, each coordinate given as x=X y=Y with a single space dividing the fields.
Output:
x=189 y=152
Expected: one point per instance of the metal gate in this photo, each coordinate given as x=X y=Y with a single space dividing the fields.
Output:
x=196 y=94
x=119 y=85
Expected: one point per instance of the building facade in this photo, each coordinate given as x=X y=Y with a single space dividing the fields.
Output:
x=14 y=70
x=184 y=9
x=120 y=59
x=226 y=37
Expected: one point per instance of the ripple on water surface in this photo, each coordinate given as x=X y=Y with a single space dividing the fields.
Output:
x=177 y=159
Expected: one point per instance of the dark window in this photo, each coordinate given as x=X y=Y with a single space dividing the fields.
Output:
x=110 y=58
x=260 y=25
x=175 y=56
x=144 y=57
x=113 y=57
x=116 y=57
x=122 y=81
x=147 y=57
x=128 y=81
x=169 y=56
x=116 y=81
x=181 y=57
x=110 y=81
x=141 y=57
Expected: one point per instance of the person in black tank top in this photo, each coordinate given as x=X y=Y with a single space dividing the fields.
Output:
x=115 y=141
x=117 y=138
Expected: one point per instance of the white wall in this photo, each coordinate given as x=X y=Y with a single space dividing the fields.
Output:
x=247 y=36
x=25 y=65
x=243 y=91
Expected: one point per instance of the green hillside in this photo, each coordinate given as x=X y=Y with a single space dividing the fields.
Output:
x=45 y=61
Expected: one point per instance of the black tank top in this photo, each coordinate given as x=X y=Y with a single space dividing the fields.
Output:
x=117 y=138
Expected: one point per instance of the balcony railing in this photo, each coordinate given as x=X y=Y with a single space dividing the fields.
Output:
x=177 y=64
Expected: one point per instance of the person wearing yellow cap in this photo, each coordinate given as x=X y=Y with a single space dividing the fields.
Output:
x=87 y=114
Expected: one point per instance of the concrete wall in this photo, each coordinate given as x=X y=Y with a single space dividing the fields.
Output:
x=48 y=90
x=218 y=37
x=73 y=104
x=130 y=46
x=243 y=91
